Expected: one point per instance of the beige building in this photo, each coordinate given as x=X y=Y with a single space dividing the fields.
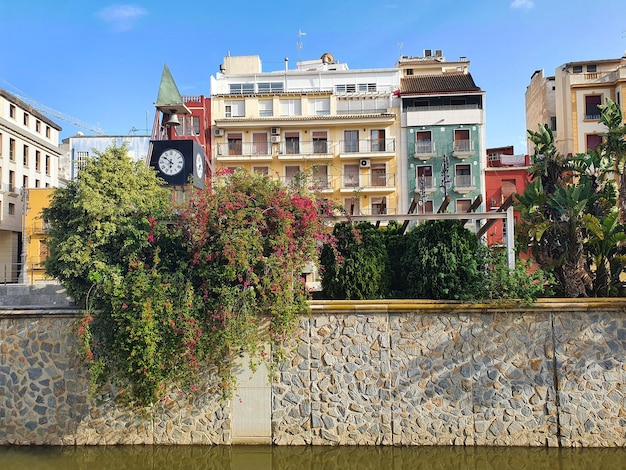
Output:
x=29 y=158
x=334 y=129
x=568 y=101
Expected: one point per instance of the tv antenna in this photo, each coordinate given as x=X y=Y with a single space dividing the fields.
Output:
x=400 y=46
x=299 y=43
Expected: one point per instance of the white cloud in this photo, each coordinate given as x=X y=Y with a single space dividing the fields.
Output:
x=528 y=4
x=121 y=17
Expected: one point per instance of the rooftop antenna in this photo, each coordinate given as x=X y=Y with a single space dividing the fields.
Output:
x=299 y=43
x=400 y=46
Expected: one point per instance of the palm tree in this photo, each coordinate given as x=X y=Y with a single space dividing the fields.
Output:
x=614 y=149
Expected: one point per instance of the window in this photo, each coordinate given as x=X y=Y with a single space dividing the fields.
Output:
x=292 y=174
x=458 y=101
x=195 y=122
x=11 y=181
x=345 y=88
x=377 y=137
x=11 y=208
x=591 y=68
x=26 y=116
x=423 y=142
x=290 y=107
x=235 y=108
x=367 y=86
x=81 y=160
x=427 y=207
x=25 y=181
x=553 y=123
x=351 y=176
x=48 y=131
x=577 y=69
x=259 y=143
x=37 y=183
x=261 y=170
x=507 y=188
x=47 y=164
x=241 y=88
x=463 y=176
x=462 y=140
x=409 y=72
x=593 y=140
x=292 y=143
x=235 y=144
x=379 y=174
x=0 y=144
x=320 y=141
x=266 y=108
x=320 y=106
x=12 y=149
x=12 y=111
x=351 y=205
x=319 y=176
x=38 y=126
x=270 y=87
x=350 y=141
x=38 y=160
x=379 y=205
x=424 y=175
x=463 y=205
x=25 y=160
x=591 y=107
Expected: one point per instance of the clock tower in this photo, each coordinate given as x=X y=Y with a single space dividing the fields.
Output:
x=176 y=154
x=179 y=162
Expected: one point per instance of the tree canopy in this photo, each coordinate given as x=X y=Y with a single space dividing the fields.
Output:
x=175 y=293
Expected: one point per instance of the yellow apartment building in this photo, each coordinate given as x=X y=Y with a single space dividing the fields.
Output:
x=321 y=124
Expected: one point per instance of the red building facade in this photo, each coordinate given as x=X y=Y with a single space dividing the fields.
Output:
x=505 y=174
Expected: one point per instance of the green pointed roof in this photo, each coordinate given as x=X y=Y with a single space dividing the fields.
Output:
x=169 y=100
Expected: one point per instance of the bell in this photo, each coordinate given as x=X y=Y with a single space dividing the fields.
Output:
x=173 y=120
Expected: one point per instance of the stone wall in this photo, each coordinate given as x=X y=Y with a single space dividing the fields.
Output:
x=367 y=373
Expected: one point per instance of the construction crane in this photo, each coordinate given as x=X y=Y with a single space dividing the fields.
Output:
x=54 y=114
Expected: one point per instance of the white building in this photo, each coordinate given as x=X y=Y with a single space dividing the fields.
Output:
x=29 y=158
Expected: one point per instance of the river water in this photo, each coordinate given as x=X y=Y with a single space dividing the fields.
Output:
x=305 y=458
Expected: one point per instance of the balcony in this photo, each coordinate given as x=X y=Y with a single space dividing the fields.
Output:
x=359 y=148
x=424 y=149
x=238 y=152
x=464 y=184
x=370 y=182
x=297 y=150
x=429 y=182
x=463 y=148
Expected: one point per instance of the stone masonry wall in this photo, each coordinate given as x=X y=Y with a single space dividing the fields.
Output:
x=367 y=373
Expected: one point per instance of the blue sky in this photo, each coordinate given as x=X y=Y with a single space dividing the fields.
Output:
x=101 y=62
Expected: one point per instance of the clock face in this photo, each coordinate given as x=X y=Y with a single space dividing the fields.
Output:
x=199 y=165
x=171 y=162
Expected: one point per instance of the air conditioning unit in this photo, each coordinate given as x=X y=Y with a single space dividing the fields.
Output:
x=218 y=132
x=275 y=139
x=365 y=163
x=275 y=130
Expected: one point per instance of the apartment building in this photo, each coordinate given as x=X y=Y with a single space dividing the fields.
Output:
x=568 y=101
x=319 y=124
x=443 y=133
x=77 y=149
x=29 y=158
x=506 y=173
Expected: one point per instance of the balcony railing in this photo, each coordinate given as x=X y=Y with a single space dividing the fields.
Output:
x=463 y=147
x=367 y=146
x=266 y=149
x=424 y=149
x=430 y=183
x=368 y=181
x=464 y=183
